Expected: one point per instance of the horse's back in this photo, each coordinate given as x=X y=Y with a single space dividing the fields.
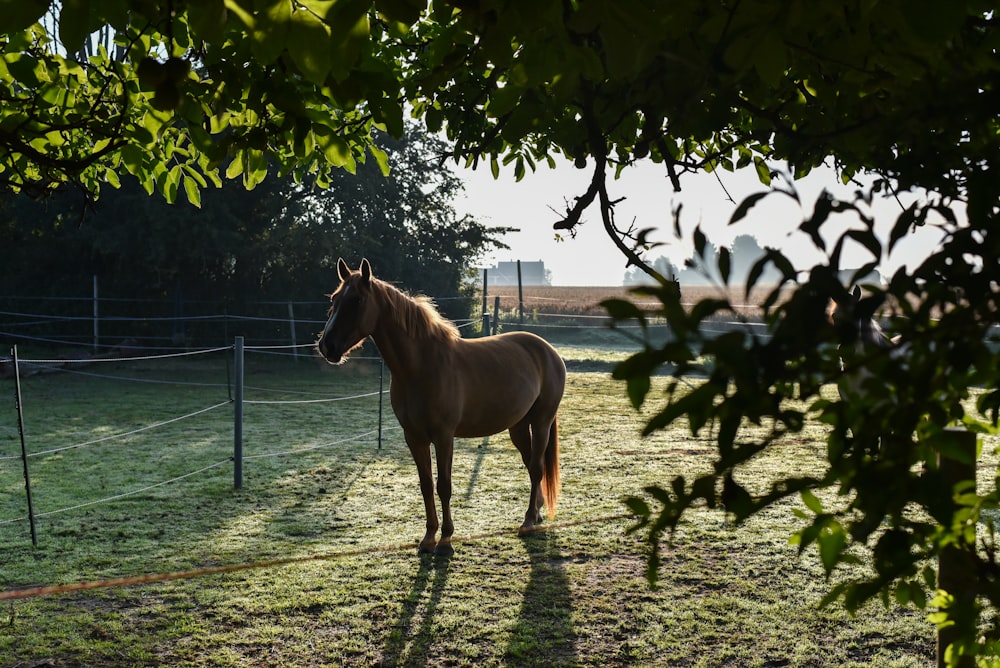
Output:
x=517 y=354
x=505 y=378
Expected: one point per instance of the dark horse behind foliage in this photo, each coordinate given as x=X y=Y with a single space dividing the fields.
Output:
x=444 y=386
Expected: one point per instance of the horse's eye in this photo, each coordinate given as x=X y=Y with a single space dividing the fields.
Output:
x=349 y=304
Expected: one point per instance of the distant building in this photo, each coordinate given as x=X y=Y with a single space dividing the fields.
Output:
x=505 y=273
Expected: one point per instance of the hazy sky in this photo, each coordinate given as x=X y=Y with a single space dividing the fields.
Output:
x=591 y=258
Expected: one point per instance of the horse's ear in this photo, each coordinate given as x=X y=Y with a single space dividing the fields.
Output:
x=343 y=270
x=366 y=270
x=856 y=292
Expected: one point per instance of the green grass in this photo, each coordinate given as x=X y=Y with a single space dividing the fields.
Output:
x=573 y=596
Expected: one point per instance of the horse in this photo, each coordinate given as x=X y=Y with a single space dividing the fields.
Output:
x=443 y=386
x=864 y=336
x=863 y=341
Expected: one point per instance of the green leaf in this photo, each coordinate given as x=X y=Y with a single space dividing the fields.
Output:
x=75 y=23
x=406 y=12
x=824 y=206
x=763 y=171
x=746 y=205
x=309 y=46
x=270 y=32
x=349 y=33
x=16 y=15
x=770 y=59
x=192 y=191
x=388 y=112
x=724 y=264
x=638 y=388
x=867 y=239
x=381 y=159
x=235 y=167
x=695 y=402
x=934 y=21
x=622 y=309
x=831 y=543
x=736 y=498
x=208 y=19
x=812 y=503
x=699 y=242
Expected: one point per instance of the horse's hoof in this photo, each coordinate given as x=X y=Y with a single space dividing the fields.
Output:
x=424 y=549
x=444 y=550
x=527 y=530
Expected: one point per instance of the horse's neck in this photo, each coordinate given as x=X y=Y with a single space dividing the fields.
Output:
x=404 y=355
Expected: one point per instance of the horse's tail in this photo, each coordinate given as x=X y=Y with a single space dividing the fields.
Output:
x=550 y=471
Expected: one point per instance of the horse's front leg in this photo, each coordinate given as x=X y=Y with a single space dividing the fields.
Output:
x=421 y=451
x=444 y=448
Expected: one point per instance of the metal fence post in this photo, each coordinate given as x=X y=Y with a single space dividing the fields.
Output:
x=238 y=412
x=381 y=381
x=291 y=324
x=96 y=317
x=24 y=449
x=520 y=296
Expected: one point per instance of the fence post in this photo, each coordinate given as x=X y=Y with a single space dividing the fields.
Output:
x=95 y=314
x=956 y=563
x=238 y=412
x=520 y=295
x=24 y=449
x=381 y=379
x=496 y=314
x=291 y=324
x=486 y=289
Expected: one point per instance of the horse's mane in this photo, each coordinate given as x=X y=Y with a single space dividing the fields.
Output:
x=415 y=315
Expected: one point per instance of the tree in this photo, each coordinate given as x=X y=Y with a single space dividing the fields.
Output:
x=662 y=265
x=905 y=91
x=278 y=241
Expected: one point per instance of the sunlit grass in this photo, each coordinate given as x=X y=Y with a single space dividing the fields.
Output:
x=575 y=595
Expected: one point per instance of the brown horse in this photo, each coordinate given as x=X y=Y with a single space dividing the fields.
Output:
x=444 y=386
x=865 y=337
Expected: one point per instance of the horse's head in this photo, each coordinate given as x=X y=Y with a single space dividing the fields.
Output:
x=853 y=318
x=844 y=314
x=352 y=314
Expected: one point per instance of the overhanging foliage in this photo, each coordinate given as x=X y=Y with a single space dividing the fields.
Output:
x=904 y=90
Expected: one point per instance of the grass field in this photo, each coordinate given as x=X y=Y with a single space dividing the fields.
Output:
x=574 y=595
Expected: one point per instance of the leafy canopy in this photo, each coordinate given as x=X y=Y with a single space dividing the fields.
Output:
x=903 y=89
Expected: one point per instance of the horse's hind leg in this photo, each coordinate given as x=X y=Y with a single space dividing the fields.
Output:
x=521 y=436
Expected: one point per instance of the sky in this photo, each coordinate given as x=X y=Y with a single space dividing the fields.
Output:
x=591 y=258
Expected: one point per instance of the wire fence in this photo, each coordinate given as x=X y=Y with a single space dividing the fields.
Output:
x=38 y=457
x=82 y=358
x=118 y=327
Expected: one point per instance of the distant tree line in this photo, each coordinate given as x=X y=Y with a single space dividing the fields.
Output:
x=744 y=252
x=280 y=240
x=701 y=270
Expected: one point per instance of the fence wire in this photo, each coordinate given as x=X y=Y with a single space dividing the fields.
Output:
x=44 y=363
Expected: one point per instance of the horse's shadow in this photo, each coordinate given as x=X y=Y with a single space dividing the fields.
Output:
x=406 y=645
x=542 y=635
x=544 y=632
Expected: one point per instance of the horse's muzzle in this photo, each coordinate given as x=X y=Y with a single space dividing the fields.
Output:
x=330 y=352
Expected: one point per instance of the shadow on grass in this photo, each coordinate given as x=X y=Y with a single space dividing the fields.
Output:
x=412 y=635
x=544 y=634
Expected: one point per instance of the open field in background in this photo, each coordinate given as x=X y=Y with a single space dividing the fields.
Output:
x=575 y=595
x=577 y=300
